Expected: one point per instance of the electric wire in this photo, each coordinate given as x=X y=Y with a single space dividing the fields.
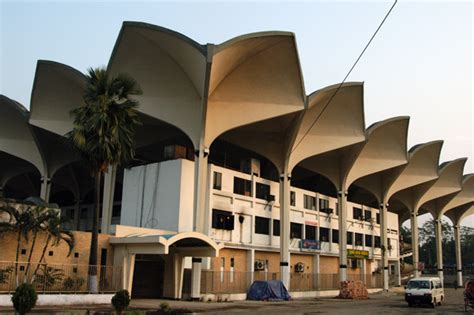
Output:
x=345 y=78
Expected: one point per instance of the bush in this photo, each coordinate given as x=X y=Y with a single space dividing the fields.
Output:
x=24 y=298
x=120 y=301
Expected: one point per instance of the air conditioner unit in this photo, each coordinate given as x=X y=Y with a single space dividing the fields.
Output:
x=270 y=198
x=299 y=267
x=259 y=265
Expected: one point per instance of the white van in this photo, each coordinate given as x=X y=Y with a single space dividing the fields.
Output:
x=424 y=291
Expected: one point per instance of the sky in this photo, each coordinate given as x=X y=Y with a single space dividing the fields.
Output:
x=420 y=64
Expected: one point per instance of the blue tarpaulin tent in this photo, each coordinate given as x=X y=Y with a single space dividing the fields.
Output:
x=268 y=290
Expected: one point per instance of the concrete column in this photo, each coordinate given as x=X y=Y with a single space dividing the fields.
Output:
x=285 y=229
x=414 y=242
x=457 y=246
x=45 y=188
x=108 y=198
x=342 y=201
x=128 y=270
x=316 y=264
x=200 y=185
x=196 y=279
x=383 y=237
x=250 y=265
x=439 y=248
x=398 y=273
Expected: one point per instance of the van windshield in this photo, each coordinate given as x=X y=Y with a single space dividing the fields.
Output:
x=420 y=284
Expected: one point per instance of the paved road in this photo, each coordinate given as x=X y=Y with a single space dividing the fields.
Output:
x=380 y=303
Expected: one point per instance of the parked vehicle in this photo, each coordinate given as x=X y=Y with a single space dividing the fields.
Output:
x=469 y=295
x=424 y=290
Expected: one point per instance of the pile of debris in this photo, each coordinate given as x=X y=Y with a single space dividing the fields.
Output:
x=353 y=290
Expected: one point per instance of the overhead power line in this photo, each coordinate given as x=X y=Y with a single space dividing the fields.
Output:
x=345 y=78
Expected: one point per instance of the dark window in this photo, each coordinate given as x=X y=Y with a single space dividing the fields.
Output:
x=377 y=242
x=84 y=213
x=309 y=202
x=262 y=191
x=310 y=232
x=223 y=220
x=292 y=198
x=70 y=214
x=51 y=253
x=296 y=230
x=76 y=255
x=116 y=210
x=337 y=208
x=324 y=234
x=357 y=213
x=368 y=240
x=242 y=186
x=22 y=268
x=323 y=204
x=103 y=257
x=377 y=218
x=349 y=238
x=74 y=269
x=23 y=251
x=217 y=181
x=276 y=227
x=262 y=225
x=232 y=262
x=335 y=236
x=367 y=215
x=358 y=239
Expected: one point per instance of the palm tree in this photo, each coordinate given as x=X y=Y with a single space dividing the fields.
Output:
x=19 y=222
x=56 y=235
x=103 y=132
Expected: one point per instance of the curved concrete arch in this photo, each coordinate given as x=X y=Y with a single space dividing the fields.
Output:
x=465 y=196
x=12 y=166
x=57 y=89
x=338 y=125
x=173 y=239
x=171 y=71
x=16 y=137
x=253 y=77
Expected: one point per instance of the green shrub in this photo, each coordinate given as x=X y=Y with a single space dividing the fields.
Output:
x=24 y=298
x=120 y=301
x=165 y=307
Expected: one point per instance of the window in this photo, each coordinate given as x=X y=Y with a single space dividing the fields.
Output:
x=358 y=239
x=368 y=240
x=262 y=191
x=74 y=269
x=262 y=225
x=276 y=227
x=296 y=230
x=309 y=202
x=217 y=183
x=292 y=198
x=84 y=213
x=232 y=262
x=377 y=243
x=377 y=218
x=23 y=251
x=242 y=186
x=324 y=234
x=335 y=236
x=356 y=213
x=50 y=253
x=349 y=238
x=76 y=255
x=323 y=205
x=310 y=232
x=367 y=215
x=223 y=220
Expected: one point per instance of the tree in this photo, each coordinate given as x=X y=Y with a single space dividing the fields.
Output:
x=103 y=133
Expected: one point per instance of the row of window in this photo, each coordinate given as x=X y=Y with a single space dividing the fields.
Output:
x=224 y=220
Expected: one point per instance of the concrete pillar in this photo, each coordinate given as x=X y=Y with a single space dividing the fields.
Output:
x=457 y=246
x=108 y=198
x=398 y=273
x=383 y=237
x=45 y=188
x=414 y=243
x=196 y=279
x=316 y=264
x=250 y=266
x=127 y=271
x=178 y=271
x=200 y=185
x=285 y=179
x=342 y=201
x=439 y=248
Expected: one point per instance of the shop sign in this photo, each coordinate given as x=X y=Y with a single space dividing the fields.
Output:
x=310 y=244
x=357 y=253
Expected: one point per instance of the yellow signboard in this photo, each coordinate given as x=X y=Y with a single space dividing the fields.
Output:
x=356 y=253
